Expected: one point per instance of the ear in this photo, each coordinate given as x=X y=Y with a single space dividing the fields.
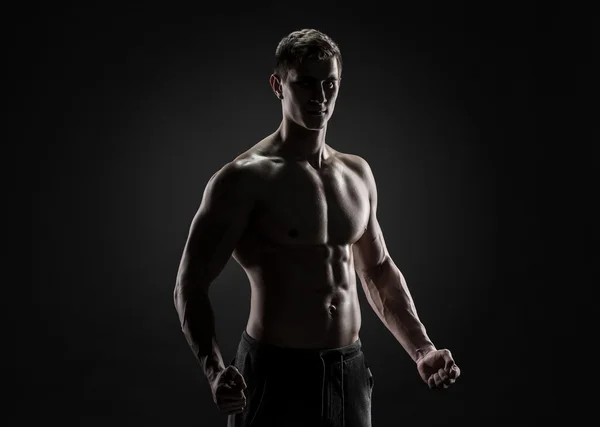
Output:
x=276 y=85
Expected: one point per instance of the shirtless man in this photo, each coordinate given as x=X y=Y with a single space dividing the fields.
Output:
x=300 y=218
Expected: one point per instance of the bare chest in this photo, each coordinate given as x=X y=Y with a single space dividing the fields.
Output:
x=303 y=206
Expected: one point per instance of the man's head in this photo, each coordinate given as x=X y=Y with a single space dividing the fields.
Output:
x=302 y=45
x=308 y=69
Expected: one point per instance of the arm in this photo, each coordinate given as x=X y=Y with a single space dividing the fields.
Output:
x=214 y=232
x=385 y=286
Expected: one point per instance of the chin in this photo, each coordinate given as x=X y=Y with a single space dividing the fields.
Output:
x=314 y=124
x=311 y=123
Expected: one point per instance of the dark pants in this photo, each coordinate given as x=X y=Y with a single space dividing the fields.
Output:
x=289 y=387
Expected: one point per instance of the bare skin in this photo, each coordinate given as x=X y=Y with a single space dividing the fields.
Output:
x=297 y=248
x=300 y=219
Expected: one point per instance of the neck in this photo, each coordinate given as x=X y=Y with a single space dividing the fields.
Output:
x=298 y=143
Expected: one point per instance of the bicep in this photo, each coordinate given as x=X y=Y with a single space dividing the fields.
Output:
x=370 y=250
x=216 y=227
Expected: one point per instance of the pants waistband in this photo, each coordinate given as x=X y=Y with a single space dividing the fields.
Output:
x=287 y=353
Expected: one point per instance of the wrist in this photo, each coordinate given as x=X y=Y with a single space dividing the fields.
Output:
x=212 y=369
x=421 y=352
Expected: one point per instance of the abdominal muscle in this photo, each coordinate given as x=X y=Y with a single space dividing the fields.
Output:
x=305 y=300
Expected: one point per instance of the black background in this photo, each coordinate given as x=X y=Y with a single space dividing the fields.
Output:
x=130 y=110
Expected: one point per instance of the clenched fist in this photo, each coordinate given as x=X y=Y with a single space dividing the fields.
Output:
x=228 y=390
x=438 y=369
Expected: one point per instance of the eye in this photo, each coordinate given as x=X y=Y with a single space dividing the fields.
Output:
x=330 y=85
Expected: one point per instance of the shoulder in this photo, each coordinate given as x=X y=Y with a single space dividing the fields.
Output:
x=357 y=164
x=244 y=175
x=362 y=169
x=232 y=176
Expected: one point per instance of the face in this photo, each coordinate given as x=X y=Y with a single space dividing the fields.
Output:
x=309 y=92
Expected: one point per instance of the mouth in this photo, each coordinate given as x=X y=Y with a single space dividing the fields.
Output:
x=317 y=113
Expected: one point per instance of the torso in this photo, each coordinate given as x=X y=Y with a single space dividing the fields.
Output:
x=297 y=250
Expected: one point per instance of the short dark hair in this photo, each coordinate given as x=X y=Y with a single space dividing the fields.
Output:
x=304 y=44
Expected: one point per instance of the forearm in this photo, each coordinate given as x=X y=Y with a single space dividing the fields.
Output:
x=197 y=321
x=390 y=298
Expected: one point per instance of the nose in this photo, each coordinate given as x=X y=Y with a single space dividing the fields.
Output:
x=318 y=95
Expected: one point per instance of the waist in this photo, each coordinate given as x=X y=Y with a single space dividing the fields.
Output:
x=301 y=354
